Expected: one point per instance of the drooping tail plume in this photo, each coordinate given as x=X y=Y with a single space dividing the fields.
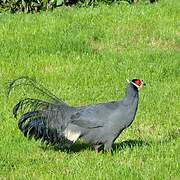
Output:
x=38 y=118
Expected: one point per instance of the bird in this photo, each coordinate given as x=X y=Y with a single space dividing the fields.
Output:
x=56 y=123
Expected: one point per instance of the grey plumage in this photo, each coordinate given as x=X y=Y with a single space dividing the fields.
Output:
x=57 y=123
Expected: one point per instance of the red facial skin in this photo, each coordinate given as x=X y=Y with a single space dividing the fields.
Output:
x=137 y=82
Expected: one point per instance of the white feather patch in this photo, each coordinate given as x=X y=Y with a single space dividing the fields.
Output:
x=71 y=134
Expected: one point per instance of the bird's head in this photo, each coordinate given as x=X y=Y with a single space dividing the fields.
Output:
x=137 y=83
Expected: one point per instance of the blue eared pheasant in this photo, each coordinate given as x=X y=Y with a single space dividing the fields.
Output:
x=56 y=123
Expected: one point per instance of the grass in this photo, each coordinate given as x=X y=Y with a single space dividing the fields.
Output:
x=84 y=56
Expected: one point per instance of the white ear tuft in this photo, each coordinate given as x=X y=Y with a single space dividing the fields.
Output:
x=135 y=84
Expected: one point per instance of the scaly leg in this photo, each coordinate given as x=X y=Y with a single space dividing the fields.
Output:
x=108 y=146
x=96 y=147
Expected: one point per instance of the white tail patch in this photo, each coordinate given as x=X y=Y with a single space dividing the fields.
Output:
x=71 y=134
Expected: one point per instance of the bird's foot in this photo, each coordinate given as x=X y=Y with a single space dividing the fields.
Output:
x=96 y=147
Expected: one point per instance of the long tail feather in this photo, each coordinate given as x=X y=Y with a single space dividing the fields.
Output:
x=27 y=81
x=38 y=118
x=32 y=125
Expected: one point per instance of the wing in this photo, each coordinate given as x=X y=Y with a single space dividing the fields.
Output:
x=88 y=117
x=94 y=116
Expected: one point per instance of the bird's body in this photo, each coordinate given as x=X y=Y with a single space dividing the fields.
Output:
x=60 y=124
x=109 y=119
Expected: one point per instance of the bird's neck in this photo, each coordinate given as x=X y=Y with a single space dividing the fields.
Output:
x=130 y=101
x=131 y=95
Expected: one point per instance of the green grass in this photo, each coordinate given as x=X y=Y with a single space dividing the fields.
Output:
x=84 y=56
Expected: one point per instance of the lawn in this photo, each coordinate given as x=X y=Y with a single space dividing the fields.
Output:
x=84 y=56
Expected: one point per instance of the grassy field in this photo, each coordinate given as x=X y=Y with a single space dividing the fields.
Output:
x=84 y=56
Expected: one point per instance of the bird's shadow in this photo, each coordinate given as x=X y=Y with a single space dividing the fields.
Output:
x=79 y=146
x=131 y=143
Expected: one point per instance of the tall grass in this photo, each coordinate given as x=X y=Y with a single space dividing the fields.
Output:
x=84 y=56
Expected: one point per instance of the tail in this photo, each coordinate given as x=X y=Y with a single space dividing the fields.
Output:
x=32 y=124
x=37 y=118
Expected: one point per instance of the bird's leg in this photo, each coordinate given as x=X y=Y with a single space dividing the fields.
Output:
x=108 y=146
x=96 y=147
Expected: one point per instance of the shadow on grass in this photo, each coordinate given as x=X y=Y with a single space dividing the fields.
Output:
x=131 y=143
x=116 y=147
